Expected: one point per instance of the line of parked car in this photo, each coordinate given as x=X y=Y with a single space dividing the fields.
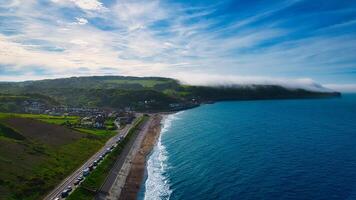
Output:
x=65 y=193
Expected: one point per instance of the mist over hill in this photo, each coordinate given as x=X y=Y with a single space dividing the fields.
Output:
x=141 y=93
x=250 y=81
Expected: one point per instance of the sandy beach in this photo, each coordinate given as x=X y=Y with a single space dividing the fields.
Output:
x=136 y=174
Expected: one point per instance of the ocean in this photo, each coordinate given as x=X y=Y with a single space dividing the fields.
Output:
x=271 y=149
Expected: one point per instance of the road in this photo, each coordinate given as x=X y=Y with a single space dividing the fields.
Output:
x=69 y=181
x=117 y=176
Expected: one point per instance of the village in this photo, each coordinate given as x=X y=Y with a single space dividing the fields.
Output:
x=89 y=117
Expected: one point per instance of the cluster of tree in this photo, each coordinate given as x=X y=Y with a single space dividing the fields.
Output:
x=15 y=102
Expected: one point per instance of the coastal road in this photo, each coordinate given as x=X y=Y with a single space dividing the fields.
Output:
x=69 y=181
x=116 y=175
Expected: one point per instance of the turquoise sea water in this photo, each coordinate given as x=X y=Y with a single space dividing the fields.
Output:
x=278 y=149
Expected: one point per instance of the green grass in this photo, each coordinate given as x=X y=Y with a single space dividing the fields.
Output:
x=45 y=118
x=55 y=165
x=99 y=132
x=175 y=93
x=109 y=124
x=144 y=83
x=94 y=181
x=60 y=120
x=12 y=97
x=29 y=169
x=10 y=133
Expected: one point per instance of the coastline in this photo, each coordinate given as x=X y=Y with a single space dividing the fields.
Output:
x=130 y=186
x=135 y=177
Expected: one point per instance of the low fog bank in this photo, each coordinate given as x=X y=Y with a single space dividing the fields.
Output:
x=244 y=81
x=348 y=88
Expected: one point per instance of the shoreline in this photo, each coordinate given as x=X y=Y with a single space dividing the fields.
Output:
x=136 y=174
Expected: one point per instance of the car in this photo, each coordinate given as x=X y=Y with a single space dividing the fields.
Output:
x=95 y=163
x=76 y=182
x=91 y=167
x=69 y=188
x=56 y=198
x=80 y=178
x=86 y=172
x=64 y=194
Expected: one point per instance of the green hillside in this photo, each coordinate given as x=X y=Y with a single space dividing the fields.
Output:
x=14 y=102
x=142 y=94
x=36 y=153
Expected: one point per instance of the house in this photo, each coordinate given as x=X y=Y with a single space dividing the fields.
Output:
x=99 y=121
x=34 y=106
x=127 y=118
x=86 y=122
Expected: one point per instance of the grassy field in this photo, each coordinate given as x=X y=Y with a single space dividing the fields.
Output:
x=45 y=118
x=144 y=83
x=99 y=132
x=94 y=181
x=12 y=97
x=60 y=120
x=36 y=153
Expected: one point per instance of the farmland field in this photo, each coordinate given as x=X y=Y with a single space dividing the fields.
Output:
x=46 y=118
x=36 y=153
x=143 y=83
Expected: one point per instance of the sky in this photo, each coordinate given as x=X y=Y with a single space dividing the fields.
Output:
x=243 y=41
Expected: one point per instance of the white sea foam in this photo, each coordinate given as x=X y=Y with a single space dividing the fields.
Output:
x=157 y=184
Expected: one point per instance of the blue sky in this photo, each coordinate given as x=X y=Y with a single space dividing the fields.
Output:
x=195 y=40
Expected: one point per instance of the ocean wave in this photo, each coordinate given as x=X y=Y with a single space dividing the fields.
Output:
x=157 y=184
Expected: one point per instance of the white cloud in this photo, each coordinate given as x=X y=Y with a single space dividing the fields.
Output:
x=91 y=5
x=81 y=21
x=138 y=14
x=10 y=3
